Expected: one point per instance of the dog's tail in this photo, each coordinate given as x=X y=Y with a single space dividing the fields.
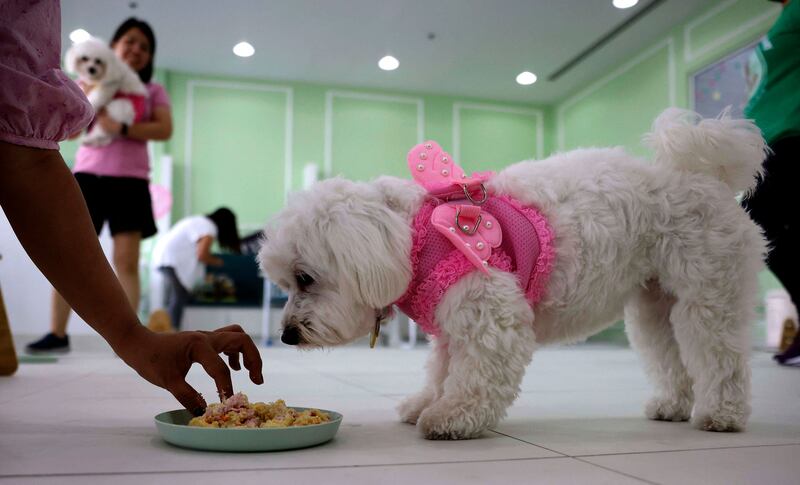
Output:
x=731 y=150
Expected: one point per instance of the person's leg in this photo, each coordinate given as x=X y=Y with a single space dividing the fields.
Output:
x=59 y=315
x=168 y=276
x=182 y=300
x=770 y=207
x=177 y=295
x=783 y=261
x=130 y=219
x=784 y=264
x=57 y=340
x=126 y=264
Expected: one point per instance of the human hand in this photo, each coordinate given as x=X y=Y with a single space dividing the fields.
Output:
x=165 y=359
x=109 y=124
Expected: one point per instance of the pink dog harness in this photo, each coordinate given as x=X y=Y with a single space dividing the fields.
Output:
x=139 y=103
x=462 y=228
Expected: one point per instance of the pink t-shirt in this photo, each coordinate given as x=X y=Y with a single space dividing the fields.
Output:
x=123 y=157
x=39 y=104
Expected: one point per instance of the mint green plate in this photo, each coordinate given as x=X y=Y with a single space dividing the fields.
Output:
x=174 y=427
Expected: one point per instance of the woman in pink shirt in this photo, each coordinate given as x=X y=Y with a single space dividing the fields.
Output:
x=114 y=178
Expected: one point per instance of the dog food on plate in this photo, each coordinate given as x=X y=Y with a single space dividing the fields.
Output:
x=237 y=412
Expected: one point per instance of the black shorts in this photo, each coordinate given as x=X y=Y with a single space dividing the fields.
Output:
x=122 y=201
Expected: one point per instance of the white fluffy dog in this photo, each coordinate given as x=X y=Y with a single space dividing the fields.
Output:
x=664 y=243
x=104 y=76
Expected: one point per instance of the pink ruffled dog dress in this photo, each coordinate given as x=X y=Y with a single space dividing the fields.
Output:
x=462 y=228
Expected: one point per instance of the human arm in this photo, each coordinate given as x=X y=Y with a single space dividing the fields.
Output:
x=159 y=128
x=44 y=205
x=204 y=252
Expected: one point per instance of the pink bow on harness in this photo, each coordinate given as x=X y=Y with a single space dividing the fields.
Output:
x=435 y=169
x=472 y=232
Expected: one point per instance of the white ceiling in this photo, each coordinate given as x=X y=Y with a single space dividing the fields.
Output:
x=480 y=45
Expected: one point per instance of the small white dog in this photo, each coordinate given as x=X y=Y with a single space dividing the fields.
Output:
x=110 y=84
x=664 y=243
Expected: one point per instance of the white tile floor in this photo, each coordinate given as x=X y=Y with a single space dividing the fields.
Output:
x=89 y=419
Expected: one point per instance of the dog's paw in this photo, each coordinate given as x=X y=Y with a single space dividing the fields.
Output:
x=729 y=418
x=445 y=421
x=666 y=409
x=410 y=409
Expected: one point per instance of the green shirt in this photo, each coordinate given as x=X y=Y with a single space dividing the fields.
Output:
x=775 y=105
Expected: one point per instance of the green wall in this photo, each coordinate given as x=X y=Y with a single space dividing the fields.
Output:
x=248 y=140
x=618 y=108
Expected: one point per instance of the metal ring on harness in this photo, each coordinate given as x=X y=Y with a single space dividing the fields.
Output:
x=469 y=196
x=468 y=231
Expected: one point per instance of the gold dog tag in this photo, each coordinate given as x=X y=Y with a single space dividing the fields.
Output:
x=373 y=337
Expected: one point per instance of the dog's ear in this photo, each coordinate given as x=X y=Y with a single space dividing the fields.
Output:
x=371 y=245
x=71 y=59
x=401 y=195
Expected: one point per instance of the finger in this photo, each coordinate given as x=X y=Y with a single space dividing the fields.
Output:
x=220 y=345
x=234 y=327
x=242 y=343
x=233 y=360
x=188 y=397
x=215 y=367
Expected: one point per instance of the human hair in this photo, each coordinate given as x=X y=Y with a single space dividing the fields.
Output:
x=146 y=73
x=227 y=231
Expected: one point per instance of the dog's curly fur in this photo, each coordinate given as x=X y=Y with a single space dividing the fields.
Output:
x=665 y=243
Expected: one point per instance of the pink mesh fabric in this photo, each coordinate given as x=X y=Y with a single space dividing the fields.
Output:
x=526 y=235
x=527 y=251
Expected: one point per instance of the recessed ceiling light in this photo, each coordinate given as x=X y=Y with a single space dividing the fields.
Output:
x=624 y=3
x=243 y=49
x=79 y=35
x=526 y=78
x=388 y=63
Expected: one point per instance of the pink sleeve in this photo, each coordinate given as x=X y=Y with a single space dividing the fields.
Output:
x=158 y=96
x=40 y=105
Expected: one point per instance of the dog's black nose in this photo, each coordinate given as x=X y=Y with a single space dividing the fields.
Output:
x=290 y=335
x=92 y=70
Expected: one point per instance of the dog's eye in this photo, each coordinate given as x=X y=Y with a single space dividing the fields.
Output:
x=303 y=280
x=84 y=58
x=99 y=62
